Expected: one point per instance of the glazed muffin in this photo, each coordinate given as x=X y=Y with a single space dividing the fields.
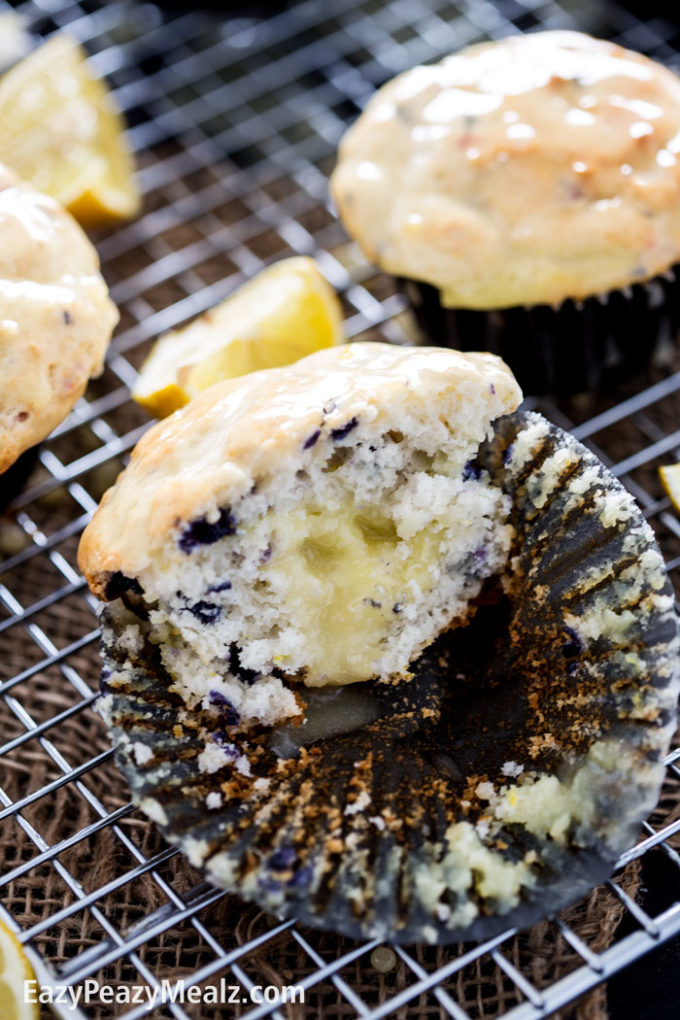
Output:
x=529 y=190
x=321 y=522
x=56 y=318
x=380 y=655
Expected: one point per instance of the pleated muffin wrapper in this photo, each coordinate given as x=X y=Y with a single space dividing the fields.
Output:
x=575 y=347
x=494 y=787
x=15 y=477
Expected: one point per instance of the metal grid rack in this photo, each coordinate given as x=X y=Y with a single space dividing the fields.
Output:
x=235 y=120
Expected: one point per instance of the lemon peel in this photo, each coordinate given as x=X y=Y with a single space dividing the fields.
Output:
x=60 y=130
x=14 y=971
x=670 y=479
x=284 y=313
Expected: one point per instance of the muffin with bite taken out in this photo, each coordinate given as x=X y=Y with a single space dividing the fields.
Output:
x=381 y=652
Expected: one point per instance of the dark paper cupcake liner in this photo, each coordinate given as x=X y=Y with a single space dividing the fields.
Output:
x=578 y=346
x=495 y=787
x=13 y=480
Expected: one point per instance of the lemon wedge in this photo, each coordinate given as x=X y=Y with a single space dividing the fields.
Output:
x=60 y=130
x=284 y=313
x=14 y=970
x=670 y=479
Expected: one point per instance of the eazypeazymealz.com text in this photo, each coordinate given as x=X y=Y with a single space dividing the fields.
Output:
x=92 y=991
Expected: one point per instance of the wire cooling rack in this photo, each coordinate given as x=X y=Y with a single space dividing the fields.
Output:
x=235 y=119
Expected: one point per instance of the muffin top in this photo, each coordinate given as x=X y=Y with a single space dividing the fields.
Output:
x=519 y=172
x=55 y=315
x=244 y=431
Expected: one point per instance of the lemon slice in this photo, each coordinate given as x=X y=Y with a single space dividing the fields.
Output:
x=14 y=970
x=15 y=41
x=284 y=313
x=60 y=130
x=670 y=479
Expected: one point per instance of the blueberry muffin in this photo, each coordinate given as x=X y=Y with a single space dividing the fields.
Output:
x=322 y=522
x=56 y=318
x=529 y=191
x=380 y=652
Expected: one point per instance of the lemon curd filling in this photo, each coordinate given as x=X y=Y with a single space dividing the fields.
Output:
x=349 y=574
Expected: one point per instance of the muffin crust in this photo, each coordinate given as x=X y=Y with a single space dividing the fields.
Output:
x=210 y=454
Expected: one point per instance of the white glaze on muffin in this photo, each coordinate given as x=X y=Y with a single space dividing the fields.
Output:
x=56 y=318
x=519 y=172
x=322 y=521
